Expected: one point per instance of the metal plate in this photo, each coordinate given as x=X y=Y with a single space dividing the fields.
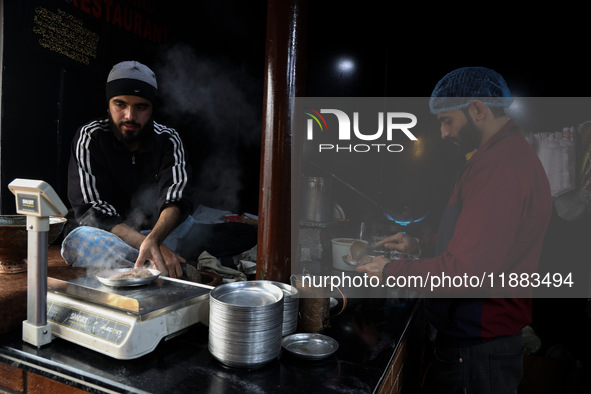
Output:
x=247 y=294
x=105 y=278
x=310 y=346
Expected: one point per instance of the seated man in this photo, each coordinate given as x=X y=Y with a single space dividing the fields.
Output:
x=129 y=187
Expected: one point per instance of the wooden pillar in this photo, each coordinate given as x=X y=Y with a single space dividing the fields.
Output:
x=284 y=80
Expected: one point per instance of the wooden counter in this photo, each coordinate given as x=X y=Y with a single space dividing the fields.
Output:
x=184 y=363
x=13 y=289
x=379 y=351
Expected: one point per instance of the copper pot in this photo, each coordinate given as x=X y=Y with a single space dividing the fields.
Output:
x=13 y=240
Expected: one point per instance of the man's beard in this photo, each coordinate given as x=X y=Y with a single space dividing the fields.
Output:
x=128 y=138
x=468 y=138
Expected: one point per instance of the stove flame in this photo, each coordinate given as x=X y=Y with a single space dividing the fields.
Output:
x=403 y=221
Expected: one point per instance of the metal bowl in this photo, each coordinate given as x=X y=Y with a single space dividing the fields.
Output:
x=310 y=346
x=13 y=240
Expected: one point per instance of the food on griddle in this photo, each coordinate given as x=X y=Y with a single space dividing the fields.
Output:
x=134 y=273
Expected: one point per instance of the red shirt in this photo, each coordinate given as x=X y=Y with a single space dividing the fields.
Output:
x=503 y=206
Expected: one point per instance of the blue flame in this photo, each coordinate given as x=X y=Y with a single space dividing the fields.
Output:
x=406 y=221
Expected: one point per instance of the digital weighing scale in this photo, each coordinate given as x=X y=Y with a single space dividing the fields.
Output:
x=124 y=322
x=38 y=201
x=121 y=322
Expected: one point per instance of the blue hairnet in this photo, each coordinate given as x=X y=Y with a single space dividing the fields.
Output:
x=460 y=87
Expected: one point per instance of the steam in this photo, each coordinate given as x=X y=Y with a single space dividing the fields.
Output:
x=216 y=98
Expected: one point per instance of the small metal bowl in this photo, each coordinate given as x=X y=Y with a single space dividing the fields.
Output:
x=310 y=346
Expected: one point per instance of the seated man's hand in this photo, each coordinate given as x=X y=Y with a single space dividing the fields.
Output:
x=164 y=259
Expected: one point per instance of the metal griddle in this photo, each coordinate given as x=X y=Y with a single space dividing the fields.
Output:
x=124 y=322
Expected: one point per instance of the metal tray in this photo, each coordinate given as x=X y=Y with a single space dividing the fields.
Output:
x=310 y=346
x=105 y=278
x=246 y=294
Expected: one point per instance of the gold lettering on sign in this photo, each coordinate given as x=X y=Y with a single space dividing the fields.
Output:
x=65 y=34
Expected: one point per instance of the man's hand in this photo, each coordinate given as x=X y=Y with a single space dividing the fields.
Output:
x=401 y=242
x=150 y=247
x=374 y=268
x=164 y=259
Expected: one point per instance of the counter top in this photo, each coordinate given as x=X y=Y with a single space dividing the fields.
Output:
x=368 y=332
x=13 y=289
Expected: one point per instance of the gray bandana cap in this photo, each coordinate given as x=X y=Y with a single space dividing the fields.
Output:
x=134 y=79
x=460 y=87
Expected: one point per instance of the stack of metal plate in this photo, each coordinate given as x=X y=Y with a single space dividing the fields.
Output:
x=290 y=306
x=245 y=323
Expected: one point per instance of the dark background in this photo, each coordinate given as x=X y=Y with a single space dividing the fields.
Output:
x=211 y=75
x=210 y=72
x=211 y=65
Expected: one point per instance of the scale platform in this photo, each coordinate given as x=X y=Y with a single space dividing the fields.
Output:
x=124 y=322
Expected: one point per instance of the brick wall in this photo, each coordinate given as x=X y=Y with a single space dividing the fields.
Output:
x=16 y=380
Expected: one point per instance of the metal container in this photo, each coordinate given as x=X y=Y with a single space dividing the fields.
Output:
x=341 y=247
x=13 y=241
x=245 y=323
x=317 y=202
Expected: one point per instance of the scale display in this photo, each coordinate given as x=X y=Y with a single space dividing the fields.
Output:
x=107 y=329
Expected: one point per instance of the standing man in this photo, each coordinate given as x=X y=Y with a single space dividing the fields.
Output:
x=128 y=185
x=495 y=221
